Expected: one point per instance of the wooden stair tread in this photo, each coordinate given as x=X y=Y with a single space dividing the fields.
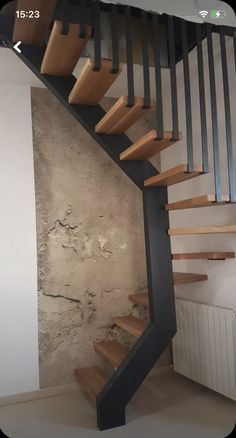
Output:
x=198 y=201
x=186 y=277
x=63 y=51
x=220 y=255
x=91 y=85
x=139 y=299
x=211 y=229
x=112 y=351
x=92 y=380
x=135 y=326
x=148 y=146
x=173 y=176
x=179 y=278
x=120 y=117
x=33 y=30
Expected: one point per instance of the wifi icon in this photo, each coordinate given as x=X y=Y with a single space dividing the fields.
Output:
x=203 y=13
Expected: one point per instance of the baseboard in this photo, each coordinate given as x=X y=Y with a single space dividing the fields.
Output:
x=39 y=394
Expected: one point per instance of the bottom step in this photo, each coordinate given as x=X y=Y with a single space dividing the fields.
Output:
x=92 y=380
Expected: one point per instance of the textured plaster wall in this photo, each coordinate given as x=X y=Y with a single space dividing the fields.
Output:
x=91 y=252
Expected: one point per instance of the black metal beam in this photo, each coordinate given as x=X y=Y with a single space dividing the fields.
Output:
x=214 y=115
x=145 y=47
x=115 y=39
x=228 y=124
x=158 y=256
x=158 y=80
x=187 y=91
x=174 y=96
x=202 y=99
x=129 y=56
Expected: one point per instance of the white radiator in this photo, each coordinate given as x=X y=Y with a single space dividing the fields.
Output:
x=204 y=348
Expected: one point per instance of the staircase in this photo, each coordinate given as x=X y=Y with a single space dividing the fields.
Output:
x=51 y=47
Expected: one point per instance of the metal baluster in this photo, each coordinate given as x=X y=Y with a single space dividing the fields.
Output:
x=97 y=36
x=187 y=90
x=157 y=60
x=115 y=39
x=215 y=133
x=234 y=36
x=228 y=125
x=174 y=96
x=146 y=73
x=202 y=99
x=83 y=27
x=129 y=56
x=65 y=24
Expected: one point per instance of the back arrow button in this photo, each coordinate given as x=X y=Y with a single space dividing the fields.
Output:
x=16 y=47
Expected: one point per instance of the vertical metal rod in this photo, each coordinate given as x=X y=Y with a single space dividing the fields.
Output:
x=129 y=56
x=187 y=90
x=146 y=73
x=115 y=39
x=157 y=60
x=174 y=97
x=202 y=99
x=228 y=125
x=234 y=37
x=65 y=24
x=215 y=134
x=83 y=27
x=97 y=36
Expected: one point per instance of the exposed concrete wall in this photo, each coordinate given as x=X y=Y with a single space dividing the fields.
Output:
x=91 y=252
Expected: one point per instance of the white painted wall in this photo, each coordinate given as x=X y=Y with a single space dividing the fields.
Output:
x=19 y=370
x=220 y=289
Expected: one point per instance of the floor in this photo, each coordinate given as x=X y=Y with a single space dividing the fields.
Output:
x=166 y=406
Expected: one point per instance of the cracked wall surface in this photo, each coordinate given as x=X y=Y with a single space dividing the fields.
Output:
x=91 y=252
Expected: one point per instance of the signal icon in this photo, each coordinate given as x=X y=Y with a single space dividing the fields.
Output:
x=203 y=13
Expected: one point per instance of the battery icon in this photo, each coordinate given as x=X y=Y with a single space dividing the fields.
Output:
x=218 y=13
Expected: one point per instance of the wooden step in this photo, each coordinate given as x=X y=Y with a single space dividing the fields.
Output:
x=139 y=299
x=91 y=85
x=204 y=256
x=179 y=278
x=64 y=51
x=148 y=146
x=211 y=229
x=92 y=380
x=173 y=176
x=112 y=351
x=198 y=201
x=120 y=117
x=133 y=325
x=186 y=277
x=33 y=30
